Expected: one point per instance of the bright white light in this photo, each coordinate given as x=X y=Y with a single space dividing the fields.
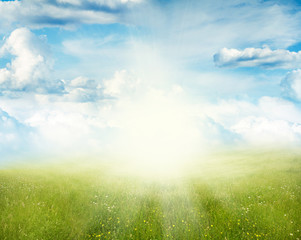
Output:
x=157 y=133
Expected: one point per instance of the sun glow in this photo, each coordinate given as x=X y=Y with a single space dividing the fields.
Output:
x=158 y=133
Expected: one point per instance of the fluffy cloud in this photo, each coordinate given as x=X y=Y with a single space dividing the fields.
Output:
x=279 y=109
x=291 y=85
x=257 y=57
x=31 y=65
x=79 y=120
x=123 y=83
x=262 y=131
x=31 y=70
x=82 y=89
x=68 y=128
x=271 y=121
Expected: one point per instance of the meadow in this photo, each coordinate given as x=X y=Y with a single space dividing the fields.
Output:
x=238 y=195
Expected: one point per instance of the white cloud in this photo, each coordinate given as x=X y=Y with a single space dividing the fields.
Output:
x=31 y=70
x=80 y=118
x=64 y=129
x=123 y=83
x=279 y=109
x=257 y=57
x=228 y=112
x=31 y=64
x=61 y=124
x=82 y=89
x=83 y=82
x=291 y=85
x=262 y=131
x=270 y=121
x=8 y=12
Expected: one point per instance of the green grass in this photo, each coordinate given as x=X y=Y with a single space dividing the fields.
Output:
x=226 y=196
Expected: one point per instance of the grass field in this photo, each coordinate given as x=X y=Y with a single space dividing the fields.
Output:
x=226 y=196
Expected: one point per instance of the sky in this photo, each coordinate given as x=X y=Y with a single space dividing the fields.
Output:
x=152 y=80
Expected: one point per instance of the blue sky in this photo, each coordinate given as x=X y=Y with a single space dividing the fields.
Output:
x=102 y=76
